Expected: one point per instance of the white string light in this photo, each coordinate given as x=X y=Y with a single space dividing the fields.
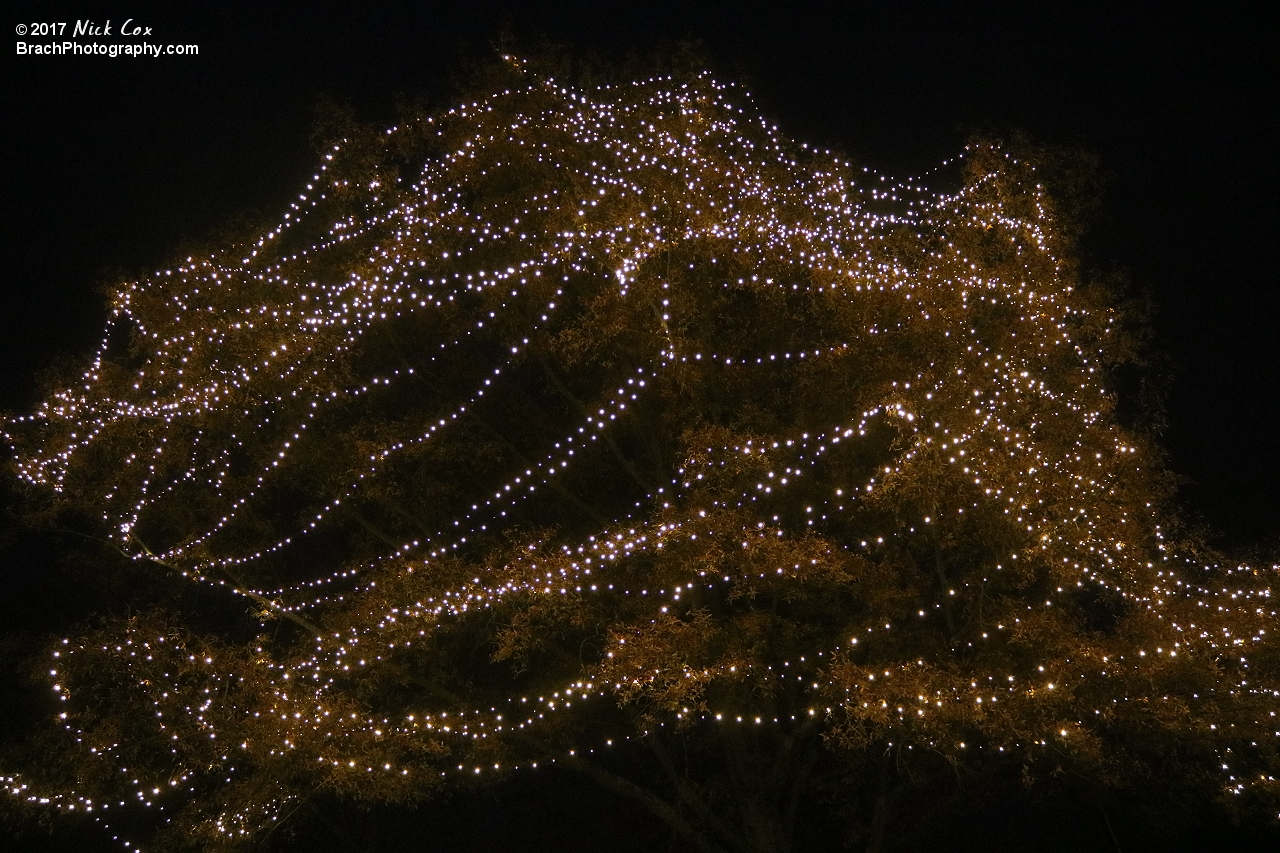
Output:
x=938 y=334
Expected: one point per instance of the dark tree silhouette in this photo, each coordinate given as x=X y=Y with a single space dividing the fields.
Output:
x=584 y=421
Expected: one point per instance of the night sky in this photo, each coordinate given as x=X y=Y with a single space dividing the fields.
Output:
x=112 y=165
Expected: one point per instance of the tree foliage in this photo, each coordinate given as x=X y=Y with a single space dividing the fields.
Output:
x=588 y=418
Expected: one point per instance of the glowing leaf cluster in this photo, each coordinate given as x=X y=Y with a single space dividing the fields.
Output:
x=569 y=415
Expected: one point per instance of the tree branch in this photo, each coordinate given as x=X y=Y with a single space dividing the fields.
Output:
x=648 y=799
x=240 y=588
x=685 y=791
x=608 y=439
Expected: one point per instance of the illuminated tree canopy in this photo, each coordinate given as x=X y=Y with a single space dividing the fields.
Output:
x=577 y=417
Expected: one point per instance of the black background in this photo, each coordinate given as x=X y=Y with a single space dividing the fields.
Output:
x=110 y=165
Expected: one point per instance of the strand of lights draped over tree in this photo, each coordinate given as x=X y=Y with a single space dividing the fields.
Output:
x=765 y=439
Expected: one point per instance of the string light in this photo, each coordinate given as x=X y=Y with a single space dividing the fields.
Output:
x=878 y=406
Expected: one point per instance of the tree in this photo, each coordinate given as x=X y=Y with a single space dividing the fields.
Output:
x=586 y=418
